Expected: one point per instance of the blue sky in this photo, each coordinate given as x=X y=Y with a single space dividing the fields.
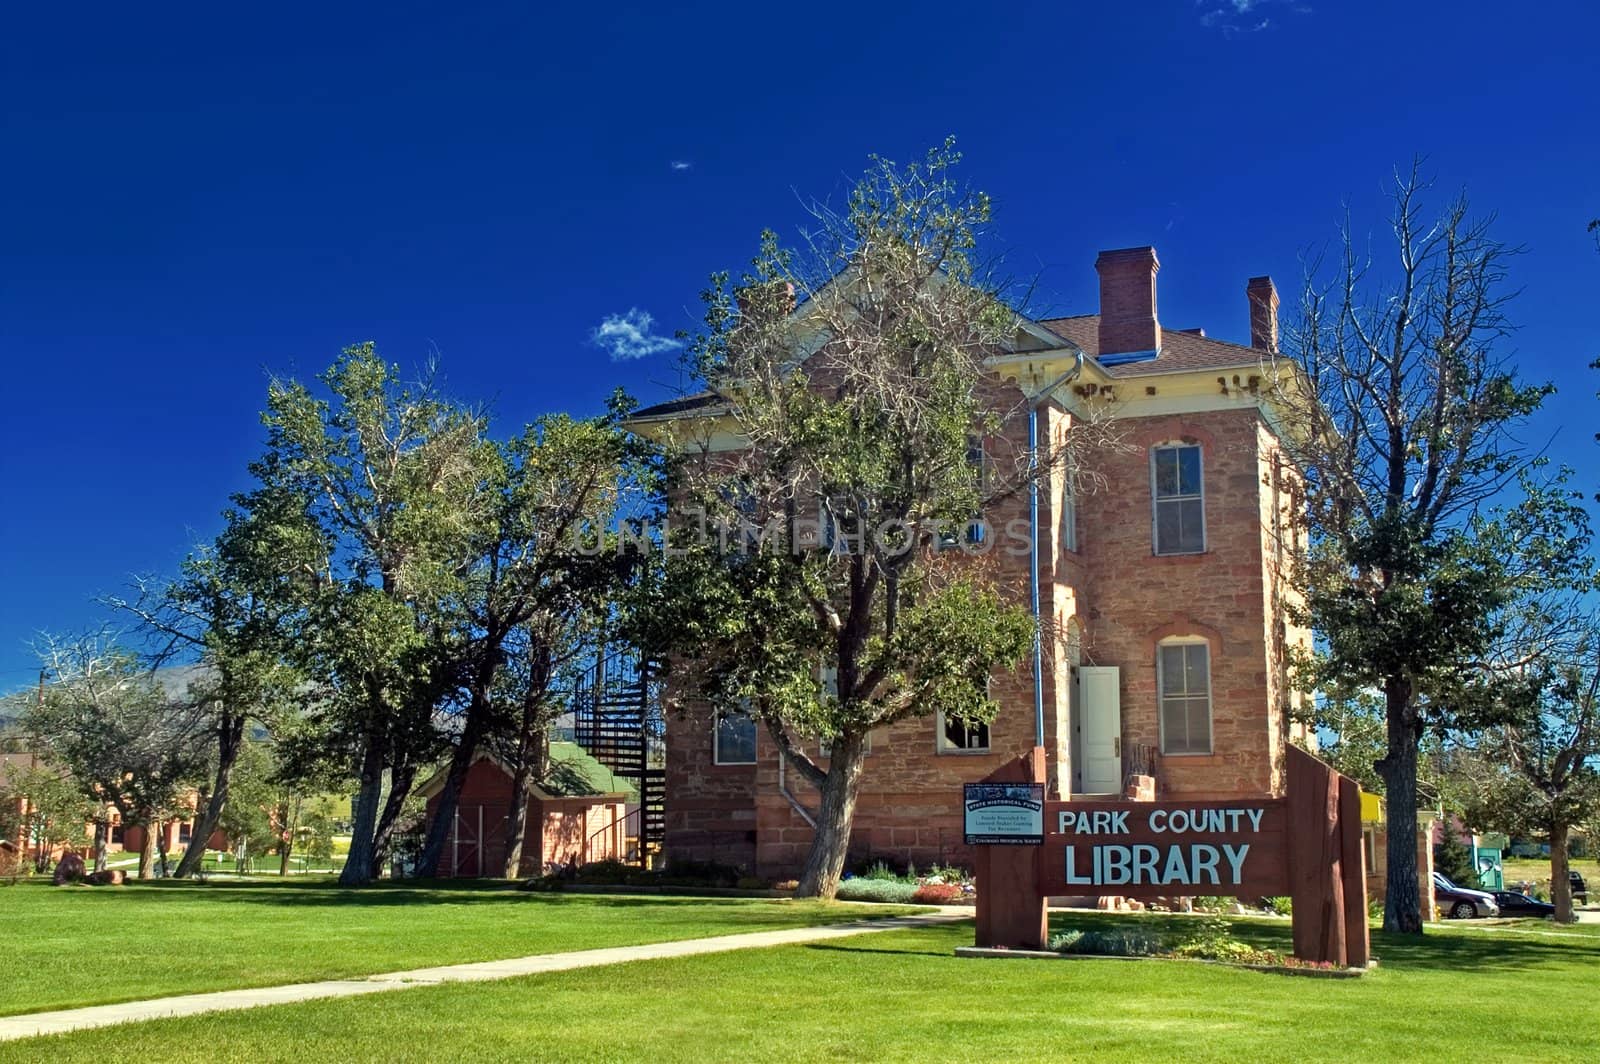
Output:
x=192 y=196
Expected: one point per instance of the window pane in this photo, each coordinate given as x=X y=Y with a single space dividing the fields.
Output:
x=735 y=738
x=1199 y=716
x=1194 y=657
x=1171 y=671
x=1168 y=528
x=1192 y=521
x=1166 y=472
x=1188 y=459
x=1174 y=727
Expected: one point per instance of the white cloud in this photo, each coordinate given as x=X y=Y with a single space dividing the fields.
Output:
x=629 y=336
x=1243 y=16
x=681 y=164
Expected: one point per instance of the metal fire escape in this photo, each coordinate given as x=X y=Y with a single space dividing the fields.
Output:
x=617 y=719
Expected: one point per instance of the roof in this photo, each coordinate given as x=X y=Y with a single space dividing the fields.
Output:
x=574 y=773
x=700 y=402
x=1180 y=351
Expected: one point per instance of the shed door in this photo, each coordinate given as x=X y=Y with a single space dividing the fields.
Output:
x=1099 y=731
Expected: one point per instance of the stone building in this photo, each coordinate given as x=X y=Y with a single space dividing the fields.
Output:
x=1162 y=574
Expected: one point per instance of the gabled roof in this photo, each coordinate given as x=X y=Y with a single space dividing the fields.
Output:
x=1180 y=352
x=573 y=774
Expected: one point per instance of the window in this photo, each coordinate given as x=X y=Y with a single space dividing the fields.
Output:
x=1180 y=513
x=1069 y=511
x=975 y=530
x=1183 y=676
x=733 y=741
x=955 y=737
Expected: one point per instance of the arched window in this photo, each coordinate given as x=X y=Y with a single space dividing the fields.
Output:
x=1183 y=684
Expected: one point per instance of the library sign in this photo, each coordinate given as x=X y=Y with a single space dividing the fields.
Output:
x=1305 y=843
x=1156 y=849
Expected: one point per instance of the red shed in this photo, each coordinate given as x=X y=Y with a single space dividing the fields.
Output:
x=579 y=811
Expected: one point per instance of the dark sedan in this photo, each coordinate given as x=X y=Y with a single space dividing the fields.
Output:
x=1515 y=903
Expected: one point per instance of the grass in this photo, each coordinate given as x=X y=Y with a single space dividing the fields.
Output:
x=71 y=946
x=902 y=996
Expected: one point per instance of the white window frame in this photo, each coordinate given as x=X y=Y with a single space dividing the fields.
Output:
x=716 y=735
x=943 y=744
x=1161 y=696
x=1156 y=500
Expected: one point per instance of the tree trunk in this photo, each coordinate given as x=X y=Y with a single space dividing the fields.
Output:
x=1402 y=900
x=533 y=757
x=288 y=824
x=1560 y=876
x=400 y=780
x=102 y=833
x=830 y=844
x=460 y=763
x=230 y=740
x=161 y=847
x=147 y=849
x=364 y=816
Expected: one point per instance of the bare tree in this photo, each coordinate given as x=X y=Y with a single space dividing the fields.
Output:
x=1403 y=404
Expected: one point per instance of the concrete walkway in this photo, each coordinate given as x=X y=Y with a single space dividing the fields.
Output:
x=40 y=1023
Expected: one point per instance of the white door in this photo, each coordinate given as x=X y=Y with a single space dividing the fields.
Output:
x=1099 y=731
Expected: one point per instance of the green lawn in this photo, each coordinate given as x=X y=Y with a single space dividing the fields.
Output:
x=71 y=946
x=1456 y=994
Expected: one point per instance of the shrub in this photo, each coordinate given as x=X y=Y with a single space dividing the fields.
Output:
x=938 y=894
x=1117 y=942
x=882 y=873
x=751 y=883
x=1212 y=939
x=1280 y=905
x=886 y=890
x=701 y=874
x=949 y=874
x=1212 y=903
x=610 y=872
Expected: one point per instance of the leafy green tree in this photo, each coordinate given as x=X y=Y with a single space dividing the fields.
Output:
x=123 y=736
x=539 y=569
x=53 y=809
x=1403 y=410
x=1537 y=773
x=382 y=482
x=859 y=414
x=234 y=609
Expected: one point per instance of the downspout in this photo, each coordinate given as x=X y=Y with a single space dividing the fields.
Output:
x=794 y=803
x=1033 y=544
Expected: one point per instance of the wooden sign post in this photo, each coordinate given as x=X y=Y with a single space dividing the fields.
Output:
x=1306 y=844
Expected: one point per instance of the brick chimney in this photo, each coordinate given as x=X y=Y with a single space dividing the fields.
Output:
x=1263 y=297
x=1128 y=301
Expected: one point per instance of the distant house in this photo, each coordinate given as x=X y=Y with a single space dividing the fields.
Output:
x=579 y=811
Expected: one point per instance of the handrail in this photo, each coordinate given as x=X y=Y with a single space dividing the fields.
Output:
x=615 y=820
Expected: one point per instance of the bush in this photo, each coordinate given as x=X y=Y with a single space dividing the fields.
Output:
x=608 y=873
x=1117 y=942
x=949 y=874
x=882 y=873
x=751 y=883
x=1212 y=939
x=886 y=890
x=1280 y=905
x=939 y=894
x=701 y=874
x=1213 y=903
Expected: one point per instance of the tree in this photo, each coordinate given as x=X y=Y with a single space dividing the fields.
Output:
x=52 y=810
x=380 y=484
x=1538 y=774
x=124 y=737
x=233 y=610
x=1402 y=409
x=552 y=496
x=860 y=415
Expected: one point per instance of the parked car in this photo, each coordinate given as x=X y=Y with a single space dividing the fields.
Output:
x=1580 y=890
x=1460 y=903
x=1516 y=903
